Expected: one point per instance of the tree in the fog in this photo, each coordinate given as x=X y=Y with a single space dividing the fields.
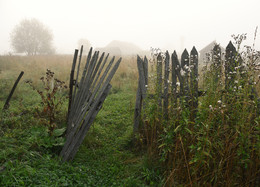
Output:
x=32 y=37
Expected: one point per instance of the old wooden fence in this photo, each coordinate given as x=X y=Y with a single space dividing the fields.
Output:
x=183 y=74
x=86 y=97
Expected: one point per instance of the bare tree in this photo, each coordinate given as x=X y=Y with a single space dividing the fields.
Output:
x=30 y=36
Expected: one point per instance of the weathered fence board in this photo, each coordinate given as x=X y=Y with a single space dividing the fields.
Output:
x=184 y=90
x=159 y=80
x=194 y=63
x=87 y=99
x=141 y=90
x=6 y=106
x=166 y=85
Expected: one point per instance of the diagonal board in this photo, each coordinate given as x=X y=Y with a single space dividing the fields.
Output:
x=87 y=98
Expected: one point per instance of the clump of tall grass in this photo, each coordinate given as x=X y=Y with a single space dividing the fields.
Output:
x=221 y=146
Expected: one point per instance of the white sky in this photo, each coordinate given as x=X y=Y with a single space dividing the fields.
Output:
x=170 y=24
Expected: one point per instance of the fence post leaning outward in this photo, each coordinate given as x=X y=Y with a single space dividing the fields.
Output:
x=166 y=85
x=6 y=106
x=72 y=81
x=194 y=82
x=76 y=80
x=83 y=125
x=88 y=98
x=91 y=120
x=79 y=93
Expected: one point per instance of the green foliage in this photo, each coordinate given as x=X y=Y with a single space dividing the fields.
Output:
x=221 y=147
x=51 y=98
x=107 y=156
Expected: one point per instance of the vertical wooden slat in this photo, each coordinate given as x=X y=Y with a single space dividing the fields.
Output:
x=159 y=81
x=138 y=106
x=174 y=80
x=88 y=124
x=76 y=80
x=89 y=98
x=142 y=66
x=229 y=65
x=166 y=85
x=185 y=74
x=71 y=82
x=73 y=141
x=194 y=82
x=217 y=66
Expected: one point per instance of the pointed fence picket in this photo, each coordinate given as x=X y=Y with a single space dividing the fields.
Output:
x=86 y=97
x=183 y=75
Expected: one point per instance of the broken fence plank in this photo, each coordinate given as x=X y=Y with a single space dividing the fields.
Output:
x=6 y=106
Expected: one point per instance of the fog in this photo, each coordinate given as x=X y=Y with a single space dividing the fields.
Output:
x=167 y=24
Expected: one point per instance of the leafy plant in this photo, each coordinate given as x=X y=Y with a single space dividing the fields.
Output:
x=51 y=98
x=221 y=146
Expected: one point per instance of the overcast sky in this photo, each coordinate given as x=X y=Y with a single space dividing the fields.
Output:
x=167 y=24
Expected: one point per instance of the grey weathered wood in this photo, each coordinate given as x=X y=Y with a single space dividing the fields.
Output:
x=142 y=78
x=145 y=66
x=71 y=82
x=185 y=68
x=230 y=65
x=86 y=84
x=138 y=106
x=79 y=96
x=142 y=81
x=166 y=85
x=159 y=81
x=216 y=65
x=87 y=124
x=100 y=70
x=145 y=73
x=79 y=92
x=178 y=73
x=6 y=106
x=76 y=81
x=174 y=79
x=89 y=97
x=73 y=140
x=194 y=82
x=83 y=108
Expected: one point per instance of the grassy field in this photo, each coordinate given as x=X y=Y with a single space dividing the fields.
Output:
x=221 y=147
x=107 y=157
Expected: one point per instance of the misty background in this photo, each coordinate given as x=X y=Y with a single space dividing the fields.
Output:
x=165 y=24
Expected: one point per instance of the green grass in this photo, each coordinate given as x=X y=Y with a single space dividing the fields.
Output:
x=107 y=157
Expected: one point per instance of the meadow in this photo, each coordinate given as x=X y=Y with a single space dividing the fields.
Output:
x=221 y=148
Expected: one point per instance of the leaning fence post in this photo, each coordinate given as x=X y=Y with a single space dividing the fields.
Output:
x=72 y=81
x=6 y=106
